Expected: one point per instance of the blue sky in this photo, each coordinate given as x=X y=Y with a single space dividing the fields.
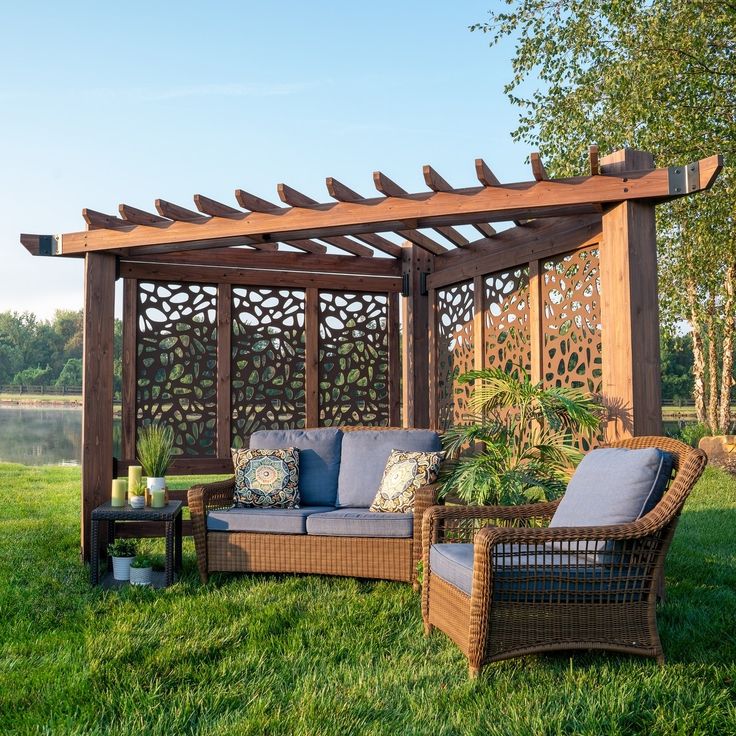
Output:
x=104 y=103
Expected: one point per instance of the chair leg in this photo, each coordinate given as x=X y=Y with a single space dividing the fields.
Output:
x=416 y=586
x=660 y=660
x=473 y=672
x=428 y=629
x=203 y=576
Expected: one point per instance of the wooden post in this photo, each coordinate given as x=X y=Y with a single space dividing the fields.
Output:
x=394 y=361
x=99 y=320
x=311 y=356
x=224 y=362
x=630 y=309
x=536 y=320
x=479 y=326
x=130 y=348
x=415 y=342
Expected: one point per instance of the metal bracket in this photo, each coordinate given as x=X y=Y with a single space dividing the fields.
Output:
x=404 y=284
x=423 y=291
x=46 y=245
x=684 y=179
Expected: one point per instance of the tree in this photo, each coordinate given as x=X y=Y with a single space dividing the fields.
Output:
x=657 y=75
x=71 y=374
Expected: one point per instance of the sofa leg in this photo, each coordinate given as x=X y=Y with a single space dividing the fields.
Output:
x=204 y=577
x=428 y=629
x=473 y=672
x=660 y=660
x=416 y=586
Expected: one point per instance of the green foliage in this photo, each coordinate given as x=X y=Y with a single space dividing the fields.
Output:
x=302 y=655
x=71 y=373
x=676 y=359
x=33 y=377
x=141 y=562
x=155 y=445
x=525 y=439
x=691 y=434
x=122 y=548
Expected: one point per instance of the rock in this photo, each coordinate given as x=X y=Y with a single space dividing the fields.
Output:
x=720 y=449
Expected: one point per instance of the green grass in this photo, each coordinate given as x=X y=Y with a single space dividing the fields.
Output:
x=254 y=654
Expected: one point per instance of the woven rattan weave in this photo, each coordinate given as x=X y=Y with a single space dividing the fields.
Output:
x=363 y=557
x=521 y=606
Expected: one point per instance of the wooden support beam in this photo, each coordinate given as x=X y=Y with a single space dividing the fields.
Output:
x=224 y=363
x=281 y=261
x=99 y=220
x=350 y=246
x=387 y=187
x=485 y=229
x=254 y=204
x=415 y=339
x=488 y=179
x=538 y=170
x=381 y=243
x=293 y=198
x=40 y=245
x=420 y=239
x=213 y=208
x=630 y=310
x=178 y=213
x=595 y=168
x=259 y=277
x=556 y=198
x=434 y=181
x=140 y=217
x=307 y=246
x=311 y=356
x=479 y=327
x=337 y=190
x=536 y=321
x=97 y=369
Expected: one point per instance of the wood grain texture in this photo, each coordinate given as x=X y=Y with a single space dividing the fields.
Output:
x=536 y=321
x=140 y=217
x=213 y=208
x=311 y=356
x=97 y=369
x=479 y=307
x=394 y=358
x=129 y=392
x=176 y=212
x=224 y=367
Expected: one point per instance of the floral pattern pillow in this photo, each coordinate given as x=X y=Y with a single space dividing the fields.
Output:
x=267 y=478
x=405 y=472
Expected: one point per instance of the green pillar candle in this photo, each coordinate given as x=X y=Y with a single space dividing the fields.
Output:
x=158 y=499
x=118 y=492
x=134 y=476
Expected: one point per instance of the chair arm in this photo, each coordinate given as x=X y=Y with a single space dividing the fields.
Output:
x=202 y=499
x=424 y=498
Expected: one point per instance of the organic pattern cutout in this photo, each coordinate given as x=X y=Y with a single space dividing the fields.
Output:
x=267 y=371
x=455 y=314
x=506 y=316
x=572 y=322
x=177 y=363
x=353 y=359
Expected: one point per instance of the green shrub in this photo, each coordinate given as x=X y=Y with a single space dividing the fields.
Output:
x=691 y=434
x=122 y=548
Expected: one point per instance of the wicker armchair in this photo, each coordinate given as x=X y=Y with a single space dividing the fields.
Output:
x=537 y=589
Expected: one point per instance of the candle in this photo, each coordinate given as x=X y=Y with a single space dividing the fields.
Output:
x=118 y=492
x=134 y=476
x=158 y=499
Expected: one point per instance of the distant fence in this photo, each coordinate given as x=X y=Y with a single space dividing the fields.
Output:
x=12 y=388
x=678 y=402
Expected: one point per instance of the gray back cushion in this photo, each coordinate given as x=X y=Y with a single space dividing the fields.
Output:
x=319 y=459
x=613 y=485
x=364 y=456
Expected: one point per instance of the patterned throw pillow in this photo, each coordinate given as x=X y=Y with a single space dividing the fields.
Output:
x=405 y=472
x=267 y=478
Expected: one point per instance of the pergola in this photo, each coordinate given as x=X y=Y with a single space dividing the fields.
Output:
x=238 y=318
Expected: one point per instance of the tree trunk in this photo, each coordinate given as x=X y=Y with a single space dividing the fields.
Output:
x=698 y=354
x=712 y=367
x=729 y=325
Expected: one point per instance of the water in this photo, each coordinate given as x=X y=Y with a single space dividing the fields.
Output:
x=37 y=435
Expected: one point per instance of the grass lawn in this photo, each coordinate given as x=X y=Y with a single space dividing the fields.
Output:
x=254 y=654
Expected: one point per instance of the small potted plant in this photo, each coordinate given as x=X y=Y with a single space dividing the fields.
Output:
x=141 y=569
x=122 y=552
x=137 y=496
x=155 y=447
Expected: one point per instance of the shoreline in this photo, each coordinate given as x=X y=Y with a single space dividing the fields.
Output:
x=49 y=402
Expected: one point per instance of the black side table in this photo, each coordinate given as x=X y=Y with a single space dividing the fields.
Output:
x=169 y=514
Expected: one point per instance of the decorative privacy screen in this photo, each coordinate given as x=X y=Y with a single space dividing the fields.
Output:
x=267 y=372
x=353 y=359
x=262 y=370
x=566 y=292
x=572 y=322
x=176 y=364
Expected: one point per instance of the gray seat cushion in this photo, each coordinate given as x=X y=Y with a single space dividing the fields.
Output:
x=319 y=459
x=271 y=521
x=360 y=523
x=613 y=485
x=533 y=575
x=364 y=456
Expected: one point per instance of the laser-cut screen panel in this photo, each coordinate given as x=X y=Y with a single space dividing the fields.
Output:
x=572 y=321
x=506 y=320
x=267 y=369
x=176 y=363
x=455 y=314
x=353 y=359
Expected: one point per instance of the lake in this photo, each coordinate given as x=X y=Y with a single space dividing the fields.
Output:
x=37 y=435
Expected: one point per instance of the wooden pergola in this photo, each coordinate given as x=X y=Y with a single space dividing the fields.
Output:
x=237 y=318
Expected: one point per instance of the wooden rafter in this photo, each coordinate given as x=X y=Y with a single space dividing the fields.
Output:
x=593 y=161
x=177 y=213
x=380 y=243
x=97 y=220
x=252 y=203
x=307 y=246
x=538 y=170
x=402 y=214
x=293 y=198
x=140 y=217
x=213 y=208
x=488 y=179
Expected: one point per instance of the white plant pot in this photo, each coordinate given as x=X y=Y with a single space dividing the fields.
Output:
x=137 y=502
x=156 y=484
x=140 y=575
x=121 y=568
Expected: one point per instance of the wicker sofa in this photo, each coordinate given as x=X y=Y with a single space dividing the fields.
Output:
x=333 y=533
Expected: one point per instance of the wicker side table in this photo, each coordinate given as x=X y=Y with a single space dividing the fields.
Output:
x=169 y=514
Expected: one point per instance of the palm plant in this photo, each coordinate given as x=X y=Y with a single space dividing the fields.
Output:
x=520 y=445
